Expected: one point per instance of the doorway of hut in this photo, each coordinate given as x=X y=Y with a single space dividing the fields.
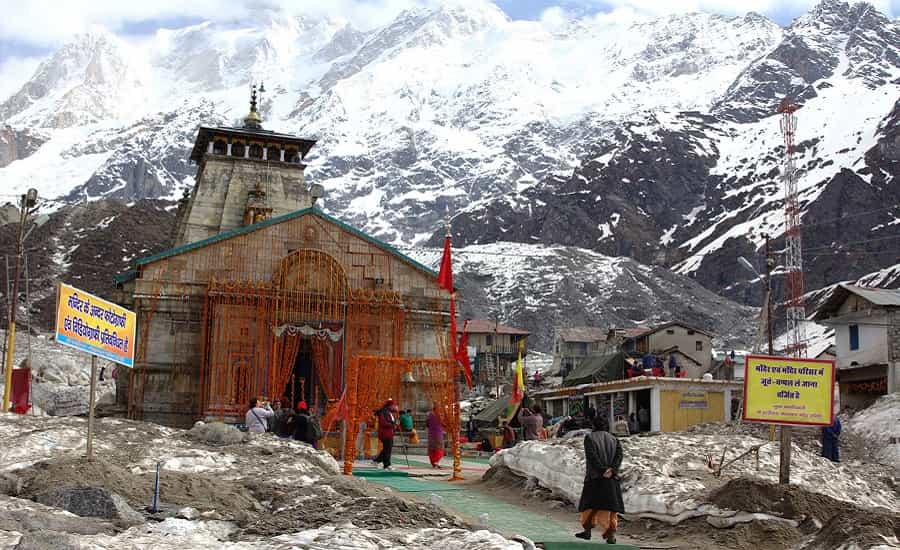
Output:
x=642 y=409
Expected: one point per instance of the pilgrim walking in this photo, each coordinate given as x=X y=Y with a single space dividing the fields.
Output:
x=601 y=496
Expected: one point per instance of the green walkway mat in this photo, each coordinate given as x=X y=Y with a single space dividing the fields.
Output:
x=372 y=472
x=585 y=545
x=405 y=484
x=501 y=516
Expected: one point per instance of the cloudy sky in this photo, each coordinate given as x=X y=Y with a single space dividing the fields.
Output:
x=31 y=29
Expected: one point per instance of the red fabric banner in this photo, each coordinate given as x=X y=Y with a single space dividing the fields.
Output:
x=445 y=275
x=21 y=390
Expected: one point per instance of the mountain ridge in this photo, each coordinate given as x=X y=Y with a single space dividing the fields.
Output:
x=653 y=139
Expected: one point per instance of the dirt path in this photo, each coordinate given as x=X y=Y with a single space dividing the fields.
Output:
x=644 y=533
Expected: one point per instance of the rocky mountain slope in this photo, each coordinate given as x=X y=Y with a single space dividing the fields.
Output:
x=537 y=287
x=582 y=139
x=695 y=189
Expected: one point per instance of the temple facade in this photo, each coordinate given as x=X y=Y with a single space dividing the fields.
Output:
x=263 y=294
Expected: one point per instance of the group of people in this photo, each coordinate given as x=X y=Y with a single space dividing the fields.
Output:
x=283 y=420
x=655 y=366
x=389 y=419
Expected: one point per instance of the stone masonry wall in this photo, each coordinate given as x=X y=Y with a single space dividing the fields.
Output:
x=219 y=199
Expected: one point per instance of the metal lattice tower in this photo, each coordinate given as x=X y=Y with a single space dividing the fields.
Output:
x=795 y=310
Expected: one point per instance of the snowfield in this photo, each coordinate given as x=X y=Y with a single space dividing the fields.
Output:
x=878 y=424
x=182 y=534
x=288 y=473
x=666 y=476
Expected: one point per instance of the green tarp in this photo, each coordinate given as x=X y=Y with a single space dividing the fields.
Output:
x=494 y=409
x=597 y=368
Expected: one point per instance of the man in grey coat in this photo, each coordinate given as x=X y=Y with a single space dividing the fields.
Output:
x=601 y=496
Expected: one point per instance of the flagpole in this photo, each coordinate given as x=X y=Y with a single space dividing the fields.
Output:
x=445 y=281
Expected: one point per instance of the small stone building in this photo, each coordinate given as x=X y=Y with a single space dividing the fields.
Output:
x=573 y=344
x=497 y=347
x=866 y=325
x=264 y=294
x=671 y=404
x=691 y=346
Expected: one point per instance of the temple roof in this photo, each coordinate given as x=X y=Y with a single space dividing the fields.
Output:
x=206 y=133
x=132 y=274
x=486 y=326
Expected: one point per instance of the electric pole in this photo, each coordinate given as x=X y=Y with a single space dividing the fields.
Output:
x=769 y=324
x=795 y=310
x=27 y=203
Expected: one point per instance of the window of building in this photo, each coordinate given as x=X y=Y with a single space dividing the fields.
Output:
x=854 y=337
x=489 y=339
x=690 y=332
x=670 y=331
x=699 y=345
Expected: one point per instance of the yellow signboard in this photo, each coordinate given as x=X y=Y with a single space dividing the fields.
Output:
x=789 y=390
x=93 y=325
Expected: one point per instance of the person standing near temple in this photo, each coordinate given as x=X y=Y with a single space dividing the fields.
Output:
x=471 y=429
x=301 y=423
x=831 y=440
x=601 y=495
x=435 y=437
x=387 y=426
x=257 y=417
x=406 y=421
x=283 y=423
x=532 y=422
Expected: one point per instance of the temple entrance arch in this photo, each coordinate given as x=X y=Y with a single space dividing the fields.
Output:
x=254 y=332
x=310 y=327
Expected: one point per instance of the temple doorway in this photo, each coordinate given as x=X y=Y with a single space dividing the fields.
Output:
x=299 y=387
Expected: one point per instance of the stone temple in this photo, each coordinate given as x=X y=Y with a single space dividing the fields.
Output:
x=264 y=294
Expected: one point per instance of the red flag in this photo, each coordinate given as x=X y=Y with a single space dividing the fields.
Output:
x=462 y=354
x=445 y=275
x=445 y=281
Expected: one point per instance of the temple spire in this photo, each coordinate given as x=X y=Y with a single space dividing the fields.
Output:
x=253 y=120
x=447 y=221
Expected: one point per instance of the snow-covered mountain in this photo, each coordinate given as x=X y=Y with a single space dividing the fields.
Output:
x=535 y=286
x=654 y=139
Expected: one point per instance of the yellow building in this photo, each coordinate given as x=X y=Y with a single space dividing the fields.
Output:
x=670 y=404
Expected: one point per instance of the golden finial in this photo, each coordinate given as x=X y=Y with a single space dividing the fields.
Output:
x=253 y=120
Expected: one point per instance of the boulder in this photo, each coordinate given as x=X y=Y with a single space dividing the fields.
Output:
x=48 y=540
x=94 y=502
x=216 y=433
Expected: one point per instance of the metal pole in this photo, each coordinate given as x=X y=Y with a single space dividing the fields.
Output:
x=11 y=330
x=784 y=463
x=7 y=312
x=768 y=306
x=90 y=434
x=496 y=373
x=28 y=311
x=769 y=328
x=155 y=507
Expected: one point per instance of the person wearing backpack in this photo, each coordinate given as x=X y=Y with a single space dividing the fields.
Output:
x=314 y=431
x=387 y=424
x=302 y=430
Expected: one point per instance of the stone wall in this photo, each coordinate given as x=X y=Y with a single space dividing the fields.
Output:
x=219 y=199
x=169 y=296
x=893 y=337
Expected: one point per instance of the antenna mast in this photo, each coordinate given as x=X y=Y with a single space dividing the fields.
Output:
x=796 y=312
